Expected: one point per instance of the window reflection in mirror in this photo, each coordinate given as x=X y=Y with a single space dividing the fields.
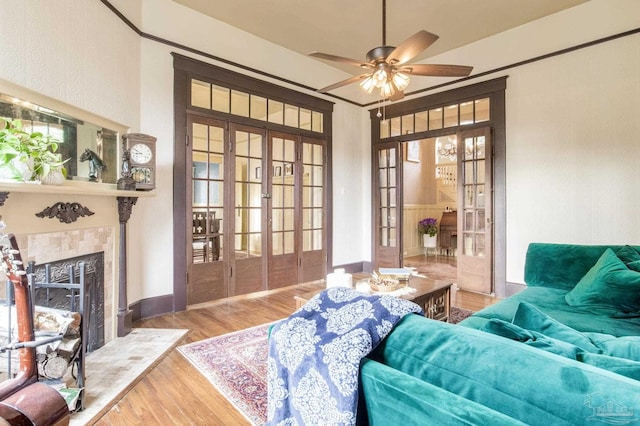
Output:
x=75 y=137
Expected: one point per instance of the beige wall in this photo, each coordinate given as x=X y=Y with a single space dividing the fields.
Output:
x=419 y=178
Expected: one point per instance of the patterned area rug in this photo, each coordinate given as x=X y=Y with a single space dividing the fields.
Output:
x=458 y=314
x=236 y=364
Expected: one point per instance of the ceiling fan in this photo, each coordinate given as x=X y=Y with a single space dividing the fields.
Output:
x=387 y=67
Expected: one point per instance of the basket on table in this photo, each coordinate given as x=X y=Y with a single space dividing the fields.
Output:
x=382 y=284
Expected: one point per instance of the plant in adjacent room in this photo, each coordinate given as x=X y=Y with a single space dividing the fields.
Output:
x=428 y=226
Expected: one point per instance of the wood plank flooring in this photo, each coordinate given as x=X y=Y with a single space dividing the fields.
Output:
x=175 y=393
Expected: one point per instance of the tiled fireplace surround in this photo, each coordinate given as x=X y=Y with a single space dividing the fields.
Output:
x=48 y=247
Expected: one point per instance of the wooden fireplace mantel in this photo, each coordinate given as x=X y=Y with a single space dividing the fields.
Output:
x=126 y=200
x=70 y=188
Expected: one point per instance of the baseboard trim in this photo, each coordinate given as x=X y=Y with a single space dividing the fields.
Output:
x=351 y=268
x=151 y=307
x=513 y=288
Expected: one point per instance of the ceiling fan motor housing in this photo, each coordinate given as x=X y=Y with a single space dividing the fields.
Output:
x=379 y=54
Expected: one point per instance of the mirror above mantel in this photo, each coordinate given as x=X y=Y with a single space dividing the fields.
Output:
x=75 y=133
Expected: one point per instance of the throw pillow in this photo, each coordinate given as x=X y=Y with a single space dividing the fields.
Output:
x=628 y=255
x=531 y=338
x=627 y=347
x=610 y=284
x=634 y=266
x=620 y=366
x=531 y=318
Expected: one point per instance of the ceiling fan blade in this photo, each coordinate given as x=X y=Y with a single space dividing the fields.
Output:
x=437 y=70
x=344 y=60
x=411 y=47
x=349 y=80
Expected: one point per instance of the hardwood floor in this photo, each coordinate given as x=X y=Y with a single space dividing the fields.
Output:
x=175 y=393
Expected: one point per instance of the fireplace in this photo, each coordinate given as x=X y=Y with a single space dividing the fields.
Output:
x=62 y=298
x=67 y=247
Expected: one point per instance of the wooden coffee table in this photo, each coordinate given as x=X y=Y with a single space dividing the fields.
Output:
x=431 y=295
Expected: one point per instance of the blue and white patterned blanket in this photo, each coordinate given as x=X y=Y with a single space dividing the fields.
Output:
x=315 y=354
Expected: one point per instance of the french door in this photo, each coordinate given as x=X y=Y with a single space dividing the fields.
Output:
x=257 y=203
x=475 y=210
x=387 y=202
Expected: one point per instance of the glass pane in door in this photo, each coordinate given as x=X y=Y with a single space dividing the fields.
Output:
x=474 y=179
x=283 y=199
x=248 y=195
x=207 y=163
x=387 y=193
x=312 y=196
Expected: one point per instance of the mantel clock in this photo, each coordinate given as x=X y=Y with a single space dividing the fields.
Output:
x=142 y=159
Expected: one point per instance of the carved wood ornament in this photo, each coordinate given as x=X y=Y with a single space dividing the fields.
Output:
x=65 y=212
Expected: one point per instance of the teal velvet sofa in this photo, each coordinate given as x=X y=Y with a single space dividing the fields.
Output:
x=566 y=350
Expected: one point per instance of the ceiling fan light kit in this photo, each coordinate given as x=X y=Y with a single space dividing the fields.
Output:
x=386 y=67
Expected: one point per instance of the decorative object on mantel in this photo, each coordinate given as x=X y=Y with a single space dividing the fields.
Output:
x=54 y=177
x=27 y=156
x=95 y=163
x=126 y=181
x=65 y=212
x=3 y=198
x=142 y=149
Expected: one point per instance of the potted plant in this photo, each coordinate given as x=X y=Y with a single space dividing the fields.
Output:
x=428 y=228
x=29 y=156
x=15 y=162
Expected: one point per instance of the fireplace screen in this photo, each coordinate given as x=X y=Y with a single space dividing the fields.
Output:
x=63 y=298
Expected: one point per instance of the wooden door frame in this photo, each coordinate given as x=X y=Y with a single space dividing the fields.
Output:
x=185 y=69
x=495 y=90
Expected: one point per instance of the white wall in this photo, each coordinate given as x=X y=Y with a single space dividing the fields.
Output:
x=75 y=51
x=351 y=185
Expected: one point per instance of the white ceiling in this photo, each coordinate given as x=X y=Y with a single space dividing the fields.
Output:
x=350 y=28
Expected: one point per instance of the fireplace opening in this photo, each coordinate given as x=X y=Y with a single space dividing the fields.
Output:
x=61 y=298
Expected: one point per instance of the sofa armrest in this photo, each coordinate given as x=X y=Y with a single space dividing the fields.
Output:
x=391 y=397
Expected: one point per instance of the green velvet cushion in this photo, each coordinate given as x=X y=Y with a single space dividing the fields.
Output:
x=620 y=366
x=531 y=318
x=627 y=347
x=531 y=338
x=628 y=255
x=551 y=301
x=608 y=283
x=559 y=265
x=634 y=266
